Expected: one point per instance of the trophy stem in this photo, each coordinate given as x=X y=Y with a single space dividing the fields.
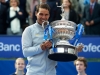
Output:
x=62 y=42
x=64 y=38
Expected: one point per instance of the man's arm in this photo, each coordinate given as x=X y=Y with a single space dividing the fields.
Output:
x=27 y=45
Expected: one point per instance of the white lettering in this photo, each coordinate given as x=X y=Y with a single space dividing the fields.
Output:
x=91 y=48
x=9 y=47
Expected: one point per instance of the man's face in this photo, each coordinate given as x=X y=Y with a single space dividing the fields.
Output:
x=42 y=15
x=80 y=66
x=20 y=64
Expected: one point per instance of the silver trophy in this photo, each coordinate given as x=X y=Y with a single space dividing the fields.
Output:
x=64 y=31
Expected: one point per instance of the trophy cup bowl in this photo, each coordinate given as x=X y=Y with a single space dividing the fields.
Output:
x=63 y=50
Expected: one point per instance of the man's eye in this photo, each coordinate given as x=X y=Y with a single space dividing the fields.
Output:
x=40 y=14
x=46 y=15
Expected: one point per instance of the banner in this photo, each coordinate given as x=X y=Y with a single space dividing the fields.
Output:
x=10 y=46
x=91 y=47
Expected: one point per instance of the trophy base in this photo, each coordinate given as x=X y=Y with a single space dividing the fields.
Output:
x=63 y=53
x=63 y=57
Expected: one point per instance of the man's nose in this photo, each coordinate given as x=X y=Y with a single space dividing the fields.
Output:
x=43 y=16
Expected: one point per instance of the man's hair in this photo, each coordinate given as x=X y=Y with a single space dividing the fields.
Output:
x=82 y=59
x=42 y=5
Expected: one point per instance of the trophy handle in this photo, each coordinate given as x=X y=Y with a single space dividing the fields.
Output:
x=43 y=24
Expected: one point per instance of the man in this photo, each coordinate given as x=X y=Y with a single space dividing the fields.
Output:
x=19 y=66
x=91 y=18
x=81 y=65
x=35 y=48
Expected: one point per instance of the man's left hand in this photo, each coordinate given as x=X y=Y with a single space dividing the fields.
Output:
x=79 y=47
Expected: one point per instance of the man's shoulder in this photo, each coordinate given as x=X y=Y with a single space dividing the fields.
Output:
x=30 y=26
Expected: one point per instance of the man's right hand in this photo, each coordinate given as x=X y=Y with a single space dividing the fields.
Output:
x=46 y=45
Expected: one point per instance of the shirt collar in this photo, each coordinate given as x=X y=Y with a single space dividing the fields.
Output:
x=38 y=24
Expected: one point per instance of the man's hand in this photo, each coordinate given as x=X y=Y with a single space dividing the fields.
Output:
x=46 y=45
x=79 y=47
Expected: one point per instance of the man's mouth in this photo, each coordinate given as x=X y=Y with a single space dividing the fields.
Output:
x=43 y=20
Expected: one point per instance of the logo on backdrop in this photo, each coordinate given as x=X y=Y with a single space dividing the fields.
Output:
x=91 y=48
x=10 y=46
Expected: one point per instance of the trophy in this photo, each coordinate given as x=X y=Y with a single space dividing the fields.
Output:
x=60 y=32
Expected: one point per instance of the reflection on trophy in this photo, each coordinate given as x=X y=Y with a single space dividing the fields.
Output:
x=59 y=32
